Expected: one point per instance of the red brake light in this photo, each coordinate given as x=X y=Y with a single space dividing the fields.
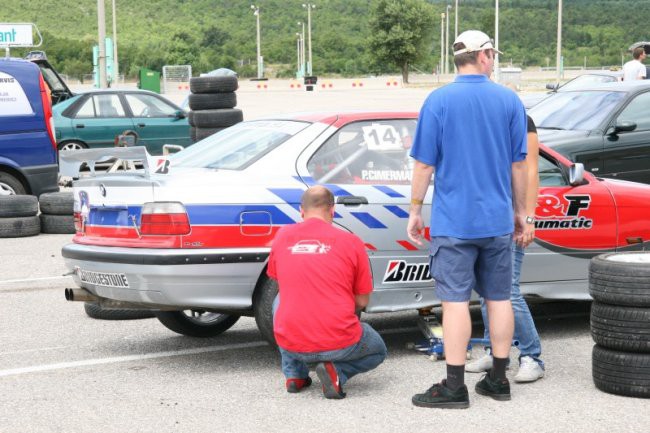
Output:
x=164 y=218
x=46 y=98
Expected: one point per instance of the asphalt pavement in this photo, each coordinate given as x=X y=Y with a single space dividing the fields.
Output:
x=61 y=371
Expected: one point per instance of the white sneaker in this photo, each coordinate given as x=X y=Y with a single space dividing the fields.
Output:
x=529 y=370
x=480 y=365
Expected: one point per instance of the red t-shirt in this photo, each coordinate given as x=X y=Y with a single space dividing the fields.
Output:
x=319 y=269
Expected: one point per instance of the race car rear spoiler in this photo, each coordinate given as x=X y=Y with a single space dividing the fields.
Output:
x=70 y=161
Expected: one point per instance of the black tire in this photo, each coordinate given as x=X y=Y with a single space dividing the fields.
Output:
x=9 y=185
x=202 y=323
x=621 y=328
x=57 y=224
x=210 y=101
x=190 y=118
x=19 y=227
x=201 y=133
x=193 y=134
x=97 y=312
x=618 y=282
x=263 y=308
x=217 y=118
x=57 y=203
x=218 y=84
x=621 y=373
x=12 y=206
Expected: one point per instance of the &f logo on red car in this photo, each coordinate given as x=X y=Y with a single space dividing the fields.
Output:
x=555 y=213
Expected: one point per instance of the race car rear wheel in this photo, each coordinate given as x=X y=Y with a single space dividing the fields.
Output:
x=196 y=323
x=263 y=308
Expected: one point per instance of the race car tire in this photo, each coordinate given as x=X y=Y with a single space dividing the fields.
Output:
x=210 y=101
x=621 y=278
x=621 y=328
x=57 y=203
x=57 y=224
x=217 y=118
x=201 y=133
x=214 y=84
x=19 y=227
x=206 y=324
x=10 y=185
x=263 y=308
x=97 y=312
x=12 y=206
x=621 y=373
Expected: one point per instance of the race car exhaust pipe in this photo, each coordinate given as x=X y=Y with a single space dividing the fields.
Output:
x=81 y=295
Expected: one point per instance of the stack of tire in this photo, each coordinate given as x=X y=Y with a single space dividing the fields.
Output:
x=18 y=216
x=57 y=210
x=620 y=322
x=212 y=103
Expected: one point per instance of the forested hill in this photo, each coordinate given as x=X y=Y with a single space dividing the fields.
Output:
x=217 y=33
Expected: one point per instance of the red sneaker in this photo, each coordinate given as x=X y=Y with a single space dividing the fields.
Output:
x=297 y=385
x=330 y=379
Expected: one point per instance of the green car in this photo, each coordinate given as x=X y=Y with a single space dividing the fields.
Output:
x=94 y=119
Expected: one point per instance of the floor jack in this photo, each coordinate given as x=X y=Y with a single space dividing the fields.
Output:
x=433 y=344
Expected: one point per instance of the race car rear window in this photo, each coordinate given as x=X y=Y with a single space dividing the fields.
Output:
x=239 y=146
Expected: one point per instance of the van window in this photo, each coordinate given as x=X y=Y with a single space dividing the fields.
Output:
x=13 y=101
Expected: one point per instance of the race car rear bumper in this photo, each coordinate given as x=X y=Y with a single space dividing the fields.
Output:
x=217 y=279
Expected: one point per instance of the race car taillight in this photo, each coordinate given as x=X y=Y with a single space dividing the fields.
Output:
x=77 y=221
x=164 y=218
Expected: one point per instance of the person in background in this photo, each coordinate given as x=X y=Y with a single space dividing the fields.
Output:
x=635 y=69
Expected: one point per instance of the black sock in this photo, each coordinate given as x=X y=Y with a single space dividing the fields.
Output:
x=455 y=376
x=498 y=371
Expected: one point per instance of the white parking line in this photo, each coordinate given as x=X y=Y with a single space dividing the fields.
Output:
x=101 y=361
x=27 y=280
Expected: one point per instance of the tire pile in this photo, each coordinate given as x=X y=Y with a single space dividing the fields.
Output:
x=57 y=209
x=212 y=103
x=620 y=323
x=18 y=216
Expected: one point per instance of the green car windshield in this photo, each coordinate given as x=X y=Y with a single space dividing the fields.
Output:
x=576 y=111
x=239 y=146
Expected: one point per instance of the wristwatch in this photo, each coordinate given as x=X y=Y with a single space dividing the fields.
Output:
x=530 y=220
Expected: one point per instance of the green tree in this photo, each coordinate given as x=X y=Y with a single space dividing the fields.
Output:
x=400 y=32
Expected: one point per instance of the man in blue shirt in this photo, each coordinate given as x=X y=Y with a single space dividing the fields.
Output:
x=473 y=133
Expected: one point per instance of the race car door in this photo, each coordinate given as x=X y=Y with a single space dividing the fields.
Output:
x=367 y=167
x=573 y=224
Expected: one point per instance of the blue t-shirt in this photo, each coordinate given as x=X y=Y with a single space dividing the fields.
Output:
x=471 y=131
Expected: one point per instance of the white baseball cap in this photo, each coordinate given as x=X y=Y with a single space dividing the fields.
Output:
x=474 y=40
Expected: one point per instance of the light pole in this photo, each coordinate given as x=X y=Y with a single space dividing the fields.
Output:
x=456 y=21
x=309 y=7
x=558 y=59
x=497 y=71
x=447 y=42
x=442 y=43
x=256 y=12
x=115 y=64
x=101 y=30
x=298 y=62
x=302 y=50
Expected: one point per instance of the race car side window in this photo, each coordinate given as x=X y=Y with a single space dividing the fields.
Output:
x=549 y=173
x=369 y=152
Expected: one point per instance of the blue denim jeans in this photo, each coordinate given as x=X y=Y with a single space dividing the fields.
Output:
x=525 y=331
x=366 y=354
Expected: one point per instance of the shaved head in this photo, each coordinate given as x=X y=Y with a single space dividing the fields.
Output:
x=317 y=202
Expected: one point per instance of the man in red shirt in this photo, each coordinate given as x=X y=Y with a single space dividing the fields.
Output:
x=324 y=279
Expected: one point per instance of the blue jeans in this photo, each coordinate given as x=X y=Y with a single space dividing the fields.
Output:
x=366 y=354
x=525 y=331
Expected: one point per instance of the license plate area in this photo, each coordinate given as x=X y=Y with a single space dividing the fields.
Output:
x=104 y=279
